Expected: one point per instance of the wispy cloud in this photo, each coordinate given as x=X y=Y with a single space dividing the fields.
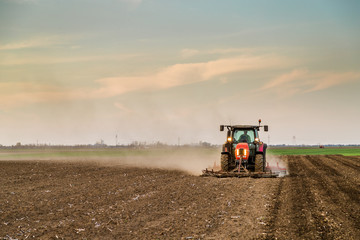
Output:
x=327 y=80
x=304 y=81
x=14 y=94
x=232 y=50
x=182 y=74
x=190 y=52
x=123 y=108
x=287 y=84
x=18 y=59
x=187 y=52
x=172 y=76
x=35 y=43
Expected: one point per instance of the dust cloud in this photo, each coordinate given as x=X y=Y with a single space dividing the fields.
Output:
x=191 y=162
x=278 y=162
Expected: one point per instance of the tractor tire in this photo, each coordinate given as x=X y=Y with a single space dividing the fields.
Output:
x=225 y=162
x=259 y=163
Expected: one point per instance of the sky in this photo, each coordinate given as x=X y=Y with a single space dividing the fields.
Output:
x=77 y=72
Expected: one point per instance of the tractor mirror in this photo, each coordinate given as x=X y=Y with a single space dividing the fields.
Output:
x=266 y=128
x=221 y=128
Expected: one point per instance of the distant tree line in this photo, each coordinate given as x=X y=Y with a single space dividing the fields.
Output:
x=101 y=144
x=158 y=144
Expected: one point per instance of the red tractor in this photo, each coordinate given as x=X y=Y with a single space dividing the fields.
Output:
x=243 y=148
x=244 y=155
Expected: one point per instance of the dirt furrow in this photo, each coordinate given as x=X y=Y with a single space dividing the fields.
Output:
x=338 y=201
x=338 y=179
x=352 y=159
x=317 y=201
x=305 y=210
x=274 y=212
x=345 y=161
x=295 y=213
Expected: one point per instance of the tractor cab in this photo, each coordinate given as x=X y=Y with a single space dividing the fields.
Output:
x=244 y=135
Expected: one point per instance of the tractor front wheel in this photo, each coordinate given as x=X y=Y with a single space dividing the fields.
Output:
x=259 y=163
x=225 y=162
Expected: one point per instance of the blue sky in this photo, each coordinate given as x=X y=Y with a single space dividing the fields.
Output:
x=74 y=72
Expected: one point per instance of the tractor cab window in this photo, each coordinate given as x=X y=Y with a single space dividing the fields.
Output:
x=244 y=135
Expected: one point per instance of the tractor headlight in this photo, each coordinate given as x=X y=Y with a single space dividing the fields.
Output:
x=229 y=139
x=256 y=140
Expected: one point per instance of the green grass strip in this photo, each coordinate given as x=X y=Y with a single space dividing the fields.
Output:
x=315 y=151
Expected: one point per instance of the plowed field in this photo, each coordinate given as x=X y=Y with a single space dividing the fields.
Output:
x=320 y=199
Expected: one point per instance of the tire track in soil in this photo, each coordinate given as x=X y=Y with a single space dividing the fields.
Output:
x=339 y=199
x=351 y=159
x=344 y=185
x=295 y=213
x=349 y=173
x=311 y=221
x=274 y=212
x=344 y=161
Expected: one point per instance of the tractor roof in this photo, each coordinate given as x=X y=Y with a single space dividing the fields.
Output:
x=245 y=126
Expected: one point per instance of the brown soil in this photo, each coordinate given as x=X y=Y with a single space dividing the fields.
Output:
x=320 y=199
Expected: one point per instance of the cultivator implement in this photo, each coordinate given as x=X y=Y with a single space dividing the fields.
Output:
x=242 y=172
x=280 y=171
x=238 y=174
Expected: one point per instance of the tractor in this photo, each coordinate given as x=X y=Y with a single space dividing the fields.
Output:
x=243 y=148
x=244 y=155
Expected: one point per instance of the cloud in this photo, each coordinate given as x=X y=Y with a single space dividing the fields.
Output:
x=286 y=78
x=186 y=53
x=327 y=80
x=35 y=43
x=189 y=52
x=123 y=108
x=232 y=50
x=297 y=81
x=183 y=74
x=15 y=94
x=168 y=77
x=12 y=60
x=304 y=81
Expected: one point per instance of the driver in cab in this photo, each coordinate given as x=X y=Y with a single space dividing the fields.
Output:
x=245 y=138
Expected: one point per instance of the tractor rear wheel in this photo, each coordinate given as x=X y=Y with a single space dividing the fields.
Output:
x=259 y=163
x=225 y=162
